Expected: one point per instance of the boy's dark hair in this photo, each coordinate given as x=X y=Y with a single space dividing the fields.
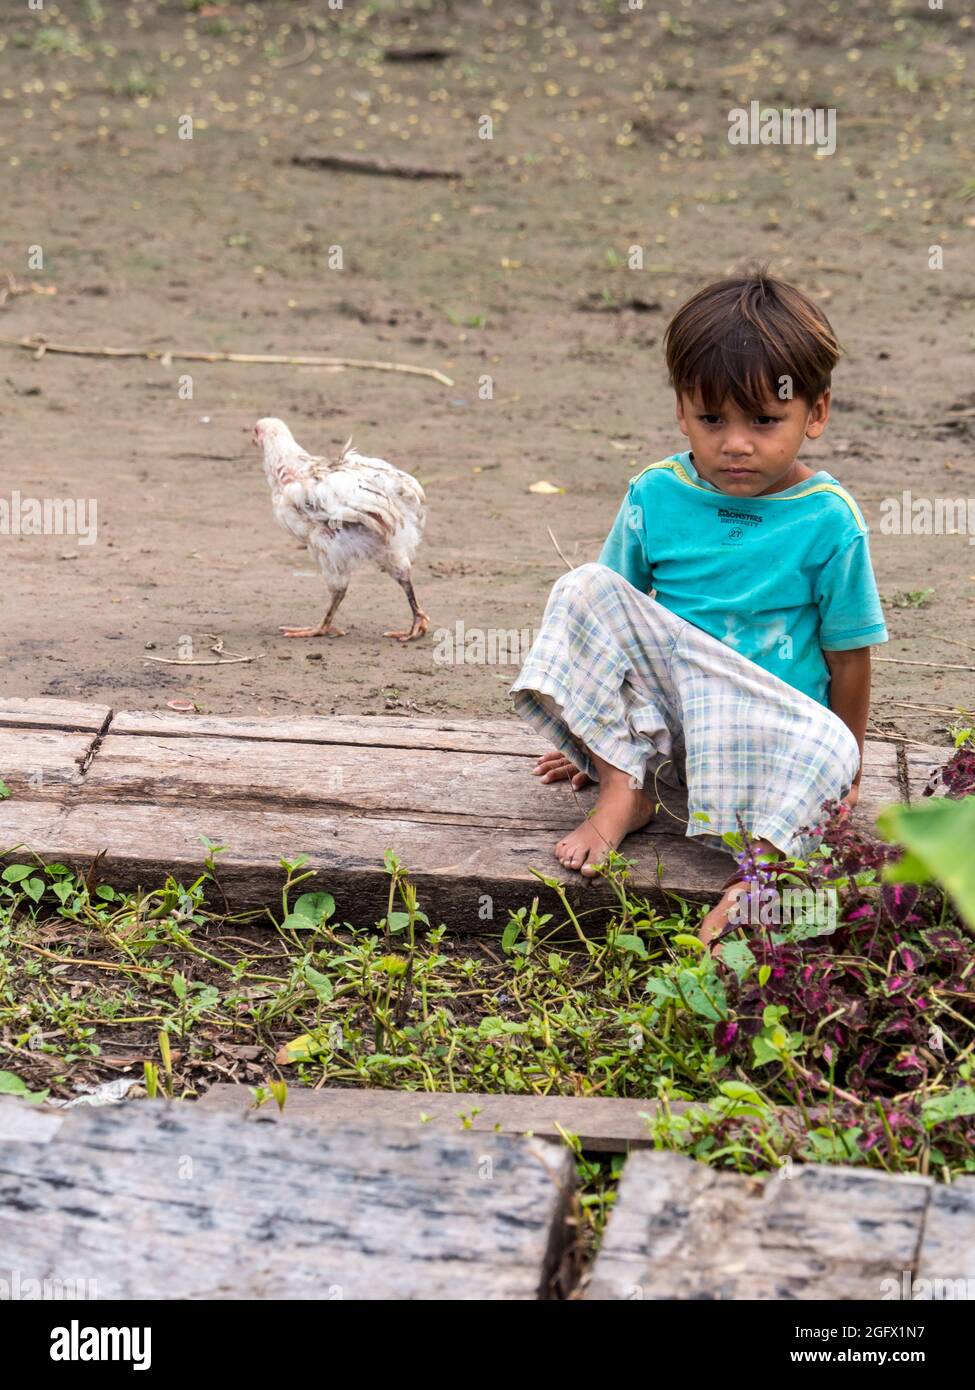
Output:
x=739 y=337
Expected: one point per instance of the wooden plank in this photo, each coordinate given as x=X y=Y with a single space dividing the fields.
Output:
x=465 y=875
x=681 y=1230
x=922 y=764
x=159 y=1202
x=469 y=820
x=603 y=1124
x=880 y=759
x=41 y=764
x=948 y=1248
x=485 y=787
x=364 y=731
x=879 y=785
x=22 y=1122
x=495 y=790
x=43 y=712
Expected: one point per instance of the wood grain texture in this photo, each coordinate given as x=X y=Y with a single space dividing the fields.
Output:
x=365 y=731
x=922 y=767
x=485 y=787
x=41 y=764
x=948 y=1248
x=603 y=1124
x=41 y=711
x=22 y=1121
x=682 y=1230
x=476 y=788
x=466 y=876
x=159 y=1202
x=453 y=798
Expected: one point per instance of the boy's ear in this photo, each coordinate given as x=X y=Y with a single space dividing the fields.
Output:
x=681 y=420
x=818 y=415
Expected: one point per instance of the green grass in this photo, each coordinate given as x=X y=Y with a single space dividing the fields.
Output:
x=556 y=1003
x=62 y=41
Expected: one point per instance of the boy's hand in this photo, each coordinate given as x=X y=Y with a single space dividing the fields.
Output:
x=556 y=767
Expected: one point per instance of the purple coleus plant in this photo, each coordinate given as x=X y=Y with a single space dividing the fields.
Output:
x=884 y=1000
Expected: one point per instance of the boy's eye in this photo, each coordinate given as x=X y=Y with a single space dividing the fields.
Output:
x=709 y=419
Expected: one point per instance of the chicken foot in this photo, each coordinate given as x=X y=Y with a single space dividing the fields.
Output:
x=421 y=620
x=325 y=628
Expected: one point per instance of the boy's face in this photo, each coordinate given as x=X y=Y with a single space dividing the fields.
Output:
x=751 y=455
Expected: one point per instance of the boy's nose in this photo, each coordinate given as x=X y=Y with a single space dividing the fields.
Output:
x=736 y=446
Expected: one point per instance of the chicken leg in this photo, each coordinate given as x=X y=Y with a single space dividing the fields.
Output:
x=421 y=620
x=325 y=628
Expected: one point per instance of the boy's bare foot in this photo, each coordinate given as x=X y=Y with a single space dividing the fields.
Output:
x=620 y=809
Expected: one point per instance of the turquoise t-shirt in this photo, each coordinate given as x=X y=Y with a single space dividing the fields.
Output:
x=781 y=578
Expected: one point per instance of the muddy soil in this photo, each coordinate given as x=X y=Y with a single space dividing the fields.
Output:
x=609 y=131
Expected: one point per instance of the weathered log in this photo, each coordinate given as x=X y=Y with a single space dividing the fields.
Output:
x=948 y=1249
x=151 y=1201
x=44 y=712
x=466 y=875
x=603 y=1124
x=454 y=798
x=682 y=1230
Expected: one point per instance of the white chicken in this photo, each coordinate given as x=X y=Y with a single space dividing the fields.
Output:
x=348 y=512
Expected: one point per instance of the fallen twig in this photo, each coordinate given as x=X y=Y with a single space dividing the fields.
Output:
x=886 y=736
x=558 y=549
x=204 y=661
x=365 y=164
x=11 y=288
x=416 y=55
x=931 y=709
x=293 y=62
x=95 y=964
x=954 y=642
x=935 y=665
x=40 y=347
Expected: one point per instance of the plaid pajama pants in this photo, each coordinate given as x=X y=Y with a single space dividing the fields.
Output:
x=617 y=672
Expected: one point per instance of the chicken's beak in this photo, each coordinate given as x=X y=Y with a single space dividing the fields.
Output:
x=255 y=436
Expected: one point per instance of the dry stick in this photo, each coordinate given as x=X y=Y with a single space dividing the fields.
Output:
x=13 y=288
x=935 y=665
x=558 y=549
x=95 y=964
x=885 y=736
x=300 y=58
x=954 y=642
x=39 y=346
x=203 y=661
x=931 y=709
x=363 y=164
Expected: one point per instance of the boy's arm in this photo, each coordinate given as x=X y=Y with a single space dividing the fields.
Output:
x=624 y=550
x=849 y=696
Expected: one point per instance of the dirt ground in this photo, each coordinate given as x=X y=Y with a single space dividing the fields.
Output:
x=609 y=131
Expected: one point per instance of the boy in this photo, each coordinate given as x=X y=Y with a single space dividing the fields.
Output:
x=746 y=677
